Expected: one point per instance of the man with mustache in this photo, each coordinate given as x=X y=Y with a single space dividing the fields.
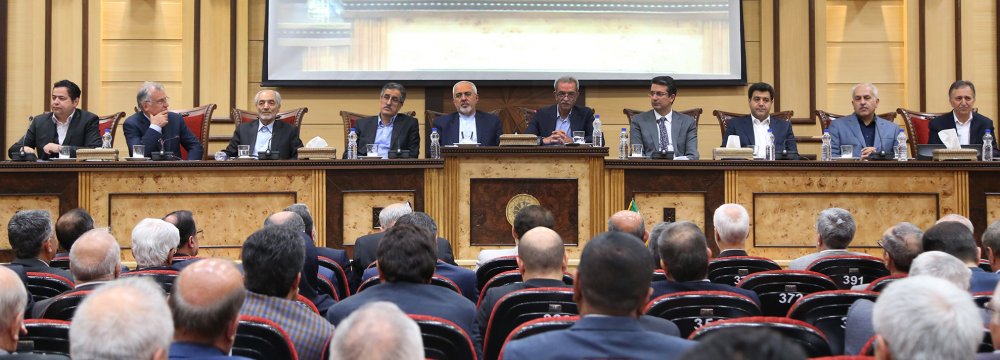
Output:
x=265 y=133
x=970 y=126
x=555 y=124
x=474 y=126
x=867 y=132
x=393 y=133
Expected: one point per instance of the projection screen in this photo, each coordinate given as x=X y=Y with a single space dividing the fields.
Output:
x=345 y=42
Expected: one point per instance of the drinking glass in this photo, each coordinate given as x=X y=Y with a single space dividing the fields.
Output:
x=637 y=150
x=846 y=151
x=138 y=151
x=244 y=150
x=578 y=137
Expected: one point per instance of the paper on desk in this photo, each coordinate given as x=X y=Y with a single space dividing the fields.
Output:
x=950 y=139
x=317 y=142
x=733 y=142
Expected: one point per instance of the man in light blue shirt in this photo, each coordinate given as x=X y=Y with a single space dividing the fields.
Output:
x=394 y=134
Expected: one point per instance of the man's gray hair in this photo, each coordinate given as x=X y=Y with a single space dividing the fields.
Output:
x=943 y=266
x=124 y=319
x=27 y=232
x=277 y=97
x=89 y=270
x=474 y=89
x=13 y=298
x=388 y=216
x=991 y=238
x=654 y=234
x=836 y=228
x=377 y=331
x=959 y=219
x=152 y=240
x=923 y=317
x=732 y=222
x=420 y=219
x=868 y=85
x=289 y=219
x=566 y=79
x=146 y=91
x=903 y=244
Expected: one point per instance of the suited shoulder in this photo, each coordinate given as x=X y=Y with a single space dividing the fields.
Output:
x=444 y=119
x=88 y=116
x=132 y=119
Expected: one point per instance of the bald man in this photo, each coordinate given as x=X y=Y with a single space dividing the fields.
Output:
x=629 y=222
x=94 y=260
x=206 y=304
x=134 y=310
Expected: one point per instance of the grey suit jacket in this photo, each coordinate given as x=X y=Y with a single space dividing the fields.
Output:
x=847 y=131
x=803 y=262
x=683 y=134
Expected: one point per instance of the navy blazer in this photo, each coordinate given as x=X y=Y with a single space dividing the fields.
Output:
x=982 y=281
x=488 y=128
x=83 y=132
x=543 y=123
x=976 y=130
x=174 y=134
x=464 y=278
x=604 y=337
x=187 y=350
x=284 y=139
x=784 y=137
x=664 y=287
x=405 y=134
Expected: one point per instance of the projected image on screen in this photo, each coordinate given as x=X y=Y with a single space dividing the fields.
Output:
x=345 y=40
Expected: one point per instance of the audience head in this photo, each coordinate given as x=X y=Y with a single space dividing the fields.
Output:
x=152 y=98
x=745 y=344
x=13 y=299
x=654 y=234
x=953 y=238
x=613 y=276
x=206 y=302
x=377 y=331
x=540 y=253
x=662 y=93
x=902 y=242
x=835 y=228
x=922 y=317
x=272 y=258
x=96 y=256
x=629 y=222
x=530 y=217
x=154 y=242
x=183 y=220
x=942 y=266
x=389 y=214
x=684 y=252
x=124 y=319
x=959 y=219
x=71 y=225
x=421 y=220
x=465 y=96
x=991 y=241
x=268 y=104
x=31 y=235
x=732 y=226
x=307 y=220
x=287 y=219
x=407 y=253
x=994 y=308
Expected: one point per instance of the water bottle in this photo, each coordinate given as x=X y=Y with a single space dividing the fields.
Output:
x=352 y=144
x=106 y=139
x=988 y=146
x=827 y=149
x=623 y=145
x=769 y=146
x=598 y=137
x=435 y=144
x=902 y=149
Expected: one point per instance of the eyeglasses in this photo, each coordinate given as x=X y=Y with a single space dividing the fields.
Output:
x=164 y=101
x=657 y=94
x=568 y=95
x=392 y=99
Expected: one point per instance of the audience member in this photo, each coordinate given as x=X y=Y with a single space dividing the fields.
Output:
x=732 y=226
x=959 y=219
x=993 y=307
x=655 y=234
x=900 y=243
x=154 y=243
x=923 y=317
x=70 y=226
x=611 y=289
x=125 y=319
x=337 y=255
x=991 y=244
x=955 y=239
x=684 y=256
x=529 y=217
x=12 y=302
x=629 y=222
x=366 y=246
x=33 y=240
x=94 y=260
x=742 y=344
x=377 y=331
x=834 y=232
x=272 y=260
x=205 y=304
x=310 y=264
x=183 y=220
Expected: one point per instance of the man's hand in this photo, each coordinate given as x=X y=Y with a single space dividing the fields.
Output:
x=159 y=119
x=867 y=151
x=27 y=149
x=557 y=137
x=51 y=148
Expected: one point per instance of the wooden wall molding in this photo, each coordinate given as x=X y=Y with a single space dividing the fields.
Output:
x=85 y=41
x=812 y=58
x=776 y=38
x=958 y=39
x=922 y=50
x=4 y=10
x=232 y=53
x=48 y=53
x=196 y=86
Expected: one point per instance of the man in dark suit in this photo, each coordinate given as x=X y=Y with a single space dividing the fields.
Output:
x=187 y=248
x=157 y=128
x=94 y=260
x=955 y=239
x=732 y=226
x=555 y=124
x=34 y=242
x=70 y=226
x=662 y=129
x=752 y=129
x=265 y=135
x=366 y=246
x=65 y=125
x=468 y=125
x=337 y=255
x=14 y=298
x=970 y=126
x=206 y=306
x=394 y=134
x=684 y=255
x=611 y=289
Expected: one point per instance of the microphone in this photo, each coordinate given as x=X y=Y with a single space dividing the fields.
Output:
x=785 y=154
x=268 y=154
x=879 y=155
x=164 y=155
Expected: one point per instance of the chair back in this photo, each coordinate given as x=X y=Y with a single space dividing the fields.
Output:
x=879 y=284
x=918 y=127
x=198 y=121
x=730 y=270
x=44 y=285
x=61 y=262
x=539 y=326
x=64 y=306
x=725 y=116
x=261 y=339
x=326 y=286
x=291 y=117
x=825 y=118
x=445 y=283
x=827 y=311
x=659 y=275
x=526 y=115
x=779 y=289
x=45 y=336
x=695 y=113
x=492 y=267
x=372 y=281
x=109 y=122
x=510 y=277
x=443 y=339
x=521 y=306
x=693 y=309
x=165 y=278
x=982 y=299
x=850 y=270
x=351 y=121
x=341 y=286
x=177 y=259
x=812 y=340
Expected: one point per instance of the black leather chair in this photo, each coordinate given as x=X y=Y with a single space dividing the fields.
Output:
x=539 y=326
x=510 y=277
x=325 y=286
x=492 y=267
x=879 y=284
x=44 y=285
x=693 y=309
x=259 y=338
x=45 y=336
x=812 y=340
x=443 y=339
x=730 y=270
x=64 y=306
x=521 y=306
x=61 y=262
x=827 y=311
x=165 y=278
x=343 y=290
x=779 y=289
x=850 y=270
x=435 y=280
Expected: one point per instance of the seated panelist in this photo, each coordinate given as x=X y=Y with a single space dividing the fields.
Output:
x=155 y=127
x=662 y=129
x=265 y=133
x=752 y=129
x=391 y=131
x=466 y=123
x=555 y=124
x=65 y=125
x=863 y=129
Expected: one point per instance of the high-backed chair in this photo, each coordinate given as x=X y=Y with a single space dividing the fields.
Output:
x=165 y=278
x=326 y=286
x=61 y=262
x=813 y=341
x=64 y=306
x=693 y=309
x=45 y=336
x=291 y=117
x=443 y=339
x=918 y=127
x=779 y=289
x=510 y=277
x=521 y=306
x=341 y=286
x=879 y=284
x=260 y=339
x=850 y=270
x=110 y=122
x=827 y=311
x=539 y=326
x=526 y=115
x=435 y=280
x=730 y=270
x=44 y=285
x=492 y=267
x=695 y=113
x=825 y=118
x=198 y=120
x=725 y=116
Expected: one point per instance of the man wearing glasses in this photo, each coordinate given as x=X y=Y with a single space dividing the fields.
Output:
x=394 y=134
x=662 y=129
x=467 y=125
x=155 y=126
x=555 y=124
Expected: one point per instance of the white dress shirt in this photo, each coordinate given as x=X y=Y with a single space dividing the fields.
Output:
x=467 y=126
x=760 y=135
x=963 y=130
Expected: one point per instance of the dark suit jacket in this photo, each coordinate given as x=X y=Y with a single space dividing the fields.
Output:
x=175 y=134
x=23 y=275
x=284 y=139
x=365 y=249
x=83 y=132
x=544 y=122
x=976 y=131
x=35 y=265
x=982 y=281
x=405 y=134
x=32 y=356
x=664 y=287
x=743 y=127
x=592 y=337
x=186 y=350
x=858 y=326
x=733 y=252
x=988 y=356
x=464 y=278
x=492 y=296
x=488 y=128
